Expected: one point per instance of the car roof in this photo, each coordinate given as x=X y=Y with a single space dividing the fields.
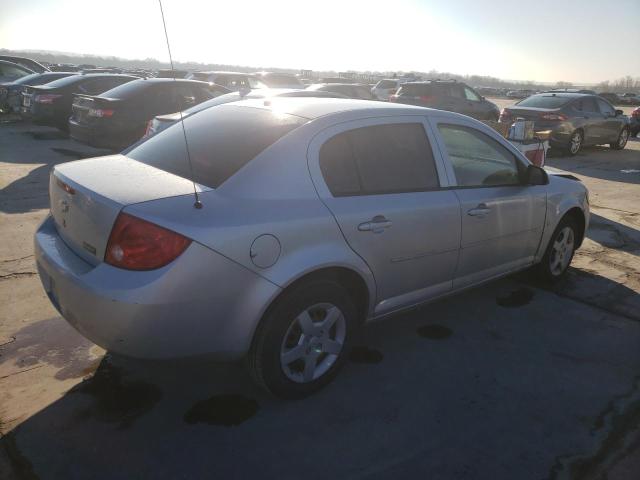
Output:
x=216 y=72
x=564 y=94
x=312 y=107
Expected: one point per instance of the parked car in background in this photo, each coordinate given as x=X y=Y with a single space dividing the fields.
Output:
x=10 y=72
x=305 y=203
x=335 y=80
x=278 y=80
x=234 y=81
x=384 y=88
x=571 y=90
x=630 y=98
x=11 y=93
x=118 y=117
x=634 y=122
x=50 y=104
x=162 y=122
x=611 y=97
x=349 y=90
x=168 y=73
x=32 y=65
x=449 y=95
x=520 y=93
x=575 y=120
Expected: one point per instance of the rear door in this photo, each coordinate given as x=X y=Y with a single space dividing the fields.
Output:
x=384 y=184
x=502 y=219
x=593 y=120
x=474 y=106
x=611 y=125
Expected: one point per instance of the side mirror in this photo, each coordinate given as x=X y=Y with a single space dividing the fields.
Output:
x=536 y=176
x=619 y=112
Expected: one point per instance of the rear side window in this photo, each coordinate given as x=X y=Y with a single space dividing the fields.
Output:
x=587 y=104
x=380 y=159
x=606 y=108
x=387 y=84
x=221 y=141
x=543 y=101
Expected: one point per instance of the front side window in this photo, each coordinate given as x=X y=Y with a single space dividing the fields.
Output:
x=606 y=109
x=379 y=159
x=478 y=160
x=471 y=95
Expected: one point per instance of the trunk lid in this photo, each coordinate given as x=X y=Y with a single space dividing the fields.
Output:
x=529 y=113
x=87 y=195
x=83 y=103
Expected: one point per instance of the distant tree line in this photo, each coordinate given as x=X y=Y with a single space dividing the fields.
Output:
x=625 y=84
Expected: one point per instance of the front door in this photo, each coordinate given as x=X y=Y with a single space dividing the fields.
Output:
x=502 y=219
x=382 y=181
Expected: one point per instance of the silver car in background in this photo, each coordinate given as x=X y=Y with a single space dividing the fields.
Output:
x=318 y=215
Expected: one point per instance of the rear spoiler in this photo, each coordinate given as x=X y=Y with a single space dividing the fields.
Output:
x=95 y=98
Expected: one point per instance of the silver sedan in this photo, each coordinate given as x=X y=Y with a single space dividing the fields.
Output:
x=317 y=216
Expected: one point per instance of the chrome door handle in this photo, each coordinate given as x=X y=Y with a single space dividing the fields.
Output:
x=480 y=211
x=376 y=225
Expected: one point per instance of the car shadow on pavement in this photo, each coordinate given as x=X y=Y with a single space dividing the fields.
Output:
x=491 y=360
x=614 y=235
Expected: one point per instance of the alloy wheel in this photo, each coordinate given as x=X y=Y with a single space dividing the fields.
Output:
x=576 y=142
x=313 y=342
x=561 y=252
x=622 y=139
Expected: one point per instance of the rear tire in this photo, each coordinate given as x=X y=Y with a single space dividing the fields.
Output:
x=575 y=143
x=621 y=142
x=559 y=253
x=303 y=340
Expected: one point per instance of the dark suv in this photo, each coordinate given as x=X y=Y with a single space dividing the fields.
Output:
x=447 y=95
x=574 y=119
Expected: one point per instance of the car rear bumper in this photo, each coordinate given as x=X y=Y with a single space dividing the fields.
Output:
x=114 y=137
x=200 y=304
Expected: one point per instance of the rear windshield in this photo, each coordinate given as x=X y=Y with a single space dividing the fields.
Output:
x=415 y=89
x=63 y=82
x=127 y=90
x=544 y=101
x=387 y=84
x=221 y=141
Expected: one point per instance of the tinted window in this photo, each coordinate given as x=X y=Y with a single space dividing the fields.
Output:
x=221 y=141
x=27 y=78
x=12 y=72
x=587 y=105
x=64 y=82
x=387 y=84
x=605 y=108
x=471 y=95
x=415 y=89
x=477 y=159
x=128 y=90
x=544 y=101
x=379 y=159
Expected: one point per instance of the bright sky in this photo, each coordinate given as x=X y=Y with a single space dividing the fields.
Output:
x=570 y=40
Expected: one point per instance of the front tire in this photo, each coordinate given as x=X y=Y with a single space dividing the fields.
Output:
x=621 y=142
x=560 y=251
x=303 y=341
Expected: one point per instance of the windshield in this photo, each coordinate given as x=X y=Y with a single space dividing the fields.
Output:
x=221 y=141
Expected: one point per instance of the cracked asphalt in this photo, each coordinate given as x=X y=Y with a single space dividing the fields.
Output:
x=512 y=380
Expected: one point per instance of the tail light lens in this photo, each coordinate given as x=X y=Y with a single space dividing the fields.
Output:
x=100 y=112
x=426 y=98
x=505 y=116
x=149 y=130
x=636 y=113
x=556 y=117
x=46 y=99
x=135 y=244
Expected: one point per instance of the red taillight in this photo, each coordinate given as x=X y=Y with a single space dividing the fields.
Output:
x=555 y=117
x=636 y=113
x=149 y=130
x=46 y=98
x=505 y=116
x=426 y=98
x=70 y=190
x=135 y=244
x=100 y=112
